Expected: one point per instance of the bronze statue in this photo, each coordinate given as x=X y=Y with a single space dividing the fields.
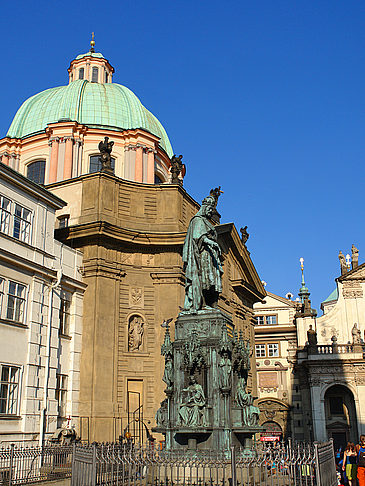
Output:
x=105 y=148
x=202 y=260
x=225 y=371
x=168 y=376
x=176 y=168
x=244 y=235
x=193 y=412
x=250 y=413
x=161 y=414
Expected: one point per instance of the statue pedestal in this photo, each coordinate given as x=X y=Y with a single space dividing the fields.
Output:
x=202 y=412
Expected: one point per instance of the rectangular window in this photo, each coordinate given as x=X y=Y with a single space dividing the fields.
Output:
x=21 y=228
x=9 y=389
x=15 y=301
x=260 y=350
x=5 y=214
x=95 y=75
x=61 y=394
x=271 y=320
x=64 y=314
x=273 y=350
x=260 y=320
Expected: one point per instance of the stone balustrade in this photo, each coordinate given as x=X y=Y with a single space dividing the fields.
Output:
x=335 y=348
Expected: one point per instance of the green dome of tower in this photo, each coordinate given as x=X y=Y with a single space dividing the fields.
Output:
x=105 y=105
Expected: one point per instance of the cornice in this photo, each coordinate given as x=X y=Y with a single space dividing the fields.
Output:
x=110 y=231
x=159 y=278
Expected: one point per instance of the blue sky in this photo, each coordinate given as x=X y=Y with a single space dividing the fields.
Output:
x=264 y=98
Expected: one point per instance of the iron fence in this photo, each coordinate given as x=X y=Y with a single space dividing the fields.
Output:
x=261 y=465
x=132 y=465
x=22 y=465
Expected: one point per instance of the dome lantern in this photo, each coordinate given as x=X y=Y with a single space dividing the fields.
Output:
x=91 y=66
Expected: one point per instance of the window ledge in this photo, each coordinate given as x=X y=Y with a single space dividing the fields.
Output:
x=5 y=416
x=65 y=336
x=8 y=322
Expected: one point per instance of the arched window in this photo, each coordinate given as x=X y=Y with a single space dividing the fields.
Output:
x=158 y=180
x=36 y=171
x=81 y=73
x=95 y=164
x=106 y=75
x=95 y=75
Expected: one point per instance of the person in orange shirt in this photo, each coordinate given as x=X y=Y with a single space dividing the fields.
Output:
x=360 y=449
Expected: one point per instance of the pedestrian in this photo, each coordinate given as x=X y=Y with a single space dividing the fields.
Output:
x=349 y=463
x=360 y=449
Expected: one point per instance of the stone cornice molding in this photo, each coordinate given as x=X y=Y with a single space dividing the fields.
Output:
x=159 y=278
x=108 y=230
x=101 y=268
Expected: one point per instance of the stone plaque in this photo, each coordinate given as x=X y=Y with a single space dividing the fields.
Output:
x=268 y=380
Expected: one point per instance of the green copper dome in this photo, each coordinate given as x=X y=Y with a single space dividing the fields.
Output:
x=109 y=105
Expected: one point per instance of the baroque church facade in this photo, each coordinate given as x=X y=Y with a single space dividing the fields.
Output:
x=129 y=225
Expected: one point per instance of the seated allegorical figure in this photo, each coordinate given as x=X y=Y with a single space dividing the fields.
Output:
x=193 y=411
x=250 y=413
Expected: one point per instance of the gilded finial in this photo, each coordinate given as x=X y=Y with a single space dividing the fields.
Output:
x=92 y=43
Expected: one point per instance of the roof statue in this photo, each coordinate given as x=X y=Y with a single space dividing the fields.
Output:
x=105 y=148
x=354 y=257
x=176 y=168
x=343 y=265
x=356 y=334
x=244 y=235
x=202 y=259
x=312 y=336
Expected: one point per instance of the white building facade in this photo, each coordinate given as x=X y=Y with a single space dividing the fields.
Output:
x=332 y=362
x=41 y=293
x=284 y=413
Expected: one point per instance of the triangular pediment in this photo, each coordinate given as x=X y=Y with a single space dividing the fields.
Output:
x=280 y=300
x=355 y=274
x=249 y=280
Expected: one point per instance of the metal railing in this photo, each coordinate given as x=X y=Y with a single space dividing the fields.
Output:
x=132 y=465
x=261 y=465
x=22 y=465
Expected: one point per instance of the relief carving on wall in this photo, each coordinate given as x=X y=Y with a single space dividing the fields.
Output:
x=136 y=297
x=360 y=379
x=148 y=260
x=352 y=290
x=135 y=333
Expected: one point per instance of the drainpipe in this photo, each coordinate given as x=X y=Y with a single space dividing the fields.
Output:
x=43 y=419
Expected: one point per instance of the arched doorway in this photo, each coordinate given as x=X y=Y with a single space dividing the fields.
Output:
x=341 y=421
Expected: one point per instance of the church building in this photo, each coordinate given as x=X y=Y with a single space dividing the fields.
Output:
x=129 y=224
